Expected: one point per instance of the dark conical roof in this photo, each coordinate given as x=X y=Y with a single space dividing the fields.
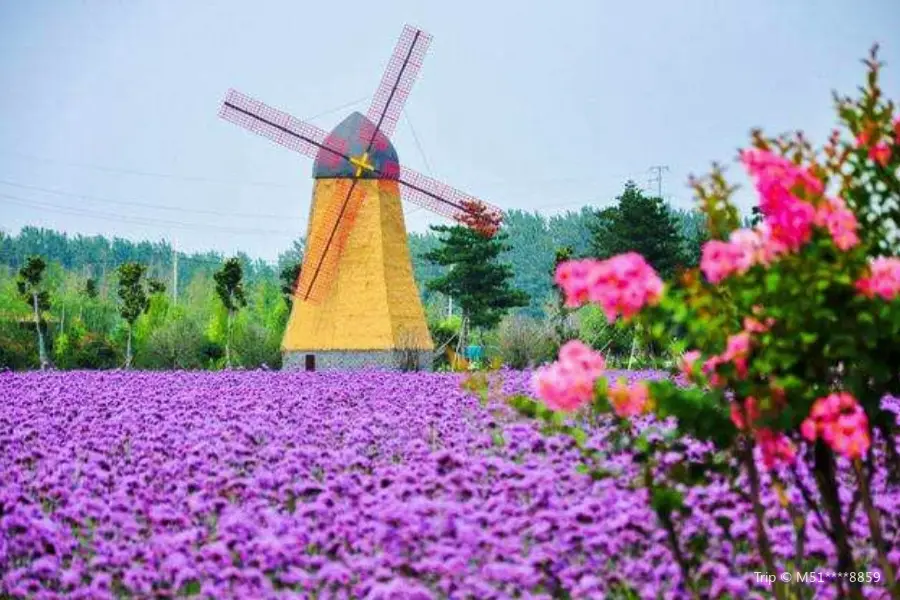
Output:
x=353 y=137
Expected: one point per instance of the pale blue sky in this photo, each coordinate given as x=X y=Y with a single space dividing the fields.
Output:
x=532 y=105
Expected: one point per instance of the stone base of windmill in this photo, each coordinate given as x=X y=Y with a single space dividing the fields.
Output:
x=336 y=360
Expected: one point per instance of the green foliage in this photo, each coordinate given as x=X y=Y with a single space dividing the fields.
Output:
x=476 y=279
x=133 y=295
x=289 y=276
x=17 y=348
x=640 y=224
x=230 y=285
x=90 y=289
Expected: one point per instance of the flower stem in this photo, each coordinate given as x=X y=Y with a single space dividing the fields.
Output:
x=875 y=530
x=827 y=484
x=665 y=519
x=759 y=513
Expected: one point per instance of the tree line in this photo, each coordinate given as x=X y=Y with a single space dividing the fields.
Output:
x=104 y=303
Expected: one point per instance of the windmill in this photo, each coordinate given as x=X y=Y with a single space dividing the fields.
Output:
x=356 y=303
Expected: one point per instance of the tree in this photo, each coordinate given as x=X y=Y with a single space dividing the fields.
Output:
x=134 y=299
x=230 y=288
x=562 y=325
x=289 y=276
x=90 y=289
x=155 y=286
x=639 y=224
x=476 y=280
x=30 y=286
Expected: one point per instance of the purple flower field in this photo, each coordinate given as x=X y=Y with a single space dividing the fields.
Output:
x=366 y=485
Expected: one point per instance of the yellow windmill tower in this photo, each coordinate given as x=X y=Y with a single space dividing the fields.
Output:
x=356 y=303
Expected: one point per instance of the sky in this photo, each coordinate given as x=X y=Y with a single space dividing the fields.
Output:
x=108 y=108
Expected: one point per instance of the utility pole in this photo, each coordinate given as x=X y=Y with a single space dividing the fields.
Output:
x=657 y=170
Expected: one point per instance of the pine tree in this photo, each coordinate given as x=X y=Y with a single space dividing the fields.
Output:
x=30 y=286
x=230 y=288
x=476 y=280
x=640 y=224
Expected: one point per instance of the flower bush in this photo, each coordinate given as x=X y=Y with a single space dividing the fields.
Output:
x=792 y=337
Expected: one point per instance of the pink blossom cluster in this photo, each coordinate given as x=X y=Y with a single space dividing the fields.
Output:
x=568 y=383
x=882 y=280
x=786 y=191
x=840 y=422
x=775 y=447
x=737 y=352
x=879 y=151
x=744 y=249
x=623 y=284
x=834 y=216
x=629 y=400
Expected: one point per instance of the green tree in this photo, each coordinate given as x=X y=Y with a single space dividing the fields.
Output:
x=562 y=315
x=31 y=289
x=476 y=280
x=639 y=224
x=230 y=288
x=134 y=298
x=155 y=286
x=90 y=289
x=289 y=276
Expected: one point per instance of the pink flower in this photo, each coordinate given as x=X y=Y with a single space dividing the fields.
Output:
x=754 y=325
x=776 y=448
x=840 y=222
x=578 y=355
x=784 y=189
x=718 y=261
x=562 y=388
x=750 y=411
x=709 y=369
x=737 y=350
x=687 y=362
x=628 y=401
x=568 y=384
x=791 y=222
x=571 y=277
x=883 y=279
x=771 y=170
x=623 y=284
x=864 y=138
x=747 y=249
x=841 y=423
x=880 y=153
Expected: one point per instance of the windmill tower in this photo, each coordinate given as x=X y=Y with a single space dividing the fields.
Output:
x=356 y=303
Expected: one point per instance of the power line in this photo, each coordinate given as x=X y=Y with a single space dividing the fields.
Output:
x=126 y=171
x=59 y=192
x=135 y=220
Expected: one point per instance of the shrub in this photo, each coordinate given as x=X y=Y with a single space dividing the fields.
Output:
x=525 y=342
x=793 y=328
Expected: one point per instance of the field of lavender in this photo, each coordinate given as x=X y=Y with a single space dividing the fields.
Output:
x=373 y=485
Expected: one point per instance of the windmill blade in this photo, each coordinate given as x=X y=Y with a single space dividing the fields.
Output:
x=398 y=79
x=327 y=240
x=439 y=197
x=280 y=127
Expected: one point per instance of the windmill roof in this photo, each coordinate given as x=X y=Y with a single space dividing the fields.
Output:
x=353 y=137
